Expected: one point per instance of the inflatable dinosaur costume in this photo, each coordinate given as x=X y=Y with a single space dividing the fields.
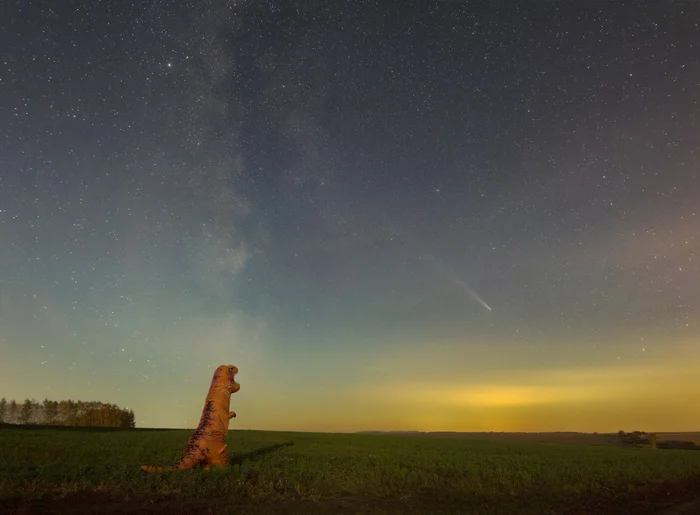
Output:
x=207 y=445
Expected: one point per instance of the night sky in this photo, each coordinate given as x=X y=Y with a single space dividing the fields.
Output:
x=434 y=215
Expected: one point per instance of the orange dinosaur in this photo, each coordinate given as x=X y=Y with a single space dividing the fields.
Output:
x=207 y=445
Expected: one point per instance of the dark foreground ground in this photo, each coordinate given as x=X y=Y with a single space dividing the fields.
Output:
x=679 y=498
x=97 y=471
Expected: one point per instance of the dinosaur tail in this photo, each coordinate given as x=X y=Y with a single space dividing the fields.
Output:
x=186 y=462
x=151 y=468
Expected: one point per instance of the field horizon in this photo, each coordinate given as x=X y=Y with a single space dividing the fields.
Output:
x=533 y=436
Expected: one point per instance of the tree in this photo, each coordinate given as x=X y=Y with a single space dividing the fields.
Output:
x=127 y=419
x=63 y=413
x=12 y=412
x=25 y=413
x=3 y=409
x=79 y=418
x=50 y=412
x=68 y=411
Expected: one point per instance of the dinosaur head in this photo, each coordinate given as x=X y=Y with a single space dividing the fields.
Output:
x=226 y=374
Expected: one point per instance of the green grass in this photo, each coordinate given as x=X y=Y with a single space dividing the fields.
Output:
x=322 y=472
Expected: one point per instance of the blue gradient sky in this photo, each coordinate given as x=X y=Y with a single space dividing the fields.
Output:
x=423 y=216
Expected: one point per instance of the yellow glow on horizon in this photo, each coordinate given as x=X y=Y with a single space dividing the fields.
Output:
x=659 y=395
x=498 y=395
x=553 y=386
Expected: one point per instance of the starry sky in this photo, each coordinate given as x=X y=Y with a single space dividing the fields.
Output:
x=429 y=215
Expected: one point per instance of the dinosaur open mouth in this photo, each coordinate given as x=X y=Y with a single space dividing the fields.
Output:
x=232 y=371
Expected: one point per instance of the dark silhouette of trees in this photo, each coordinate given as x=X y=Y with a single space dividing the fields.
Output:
x=66 y=413
x=25 y=412
x=640 y=438
x=678 y=444
x=127 y=419
x=50 y=412
x=12 y=412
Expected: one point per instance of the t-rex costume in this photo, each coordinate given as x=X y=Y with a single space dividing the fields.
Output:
x=207 y=445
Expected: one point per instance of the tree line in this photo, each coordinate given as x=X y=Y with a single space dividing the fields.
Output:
x=65 y=413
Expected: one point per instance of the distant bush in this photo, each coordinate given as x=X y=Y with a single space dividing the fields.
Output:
x=641 y=438
x=633 y=438
x=678 y=444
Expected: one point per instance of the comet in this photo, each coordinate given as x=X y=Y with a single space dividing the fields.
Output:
x=474 y=295
x=456 y=280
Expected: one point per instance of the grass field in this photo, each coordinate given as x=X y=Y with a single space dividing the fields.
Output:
x=71 y=470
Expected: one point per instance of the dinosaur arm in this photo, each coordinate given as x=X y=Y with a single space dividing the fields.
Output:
x=231 y=415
